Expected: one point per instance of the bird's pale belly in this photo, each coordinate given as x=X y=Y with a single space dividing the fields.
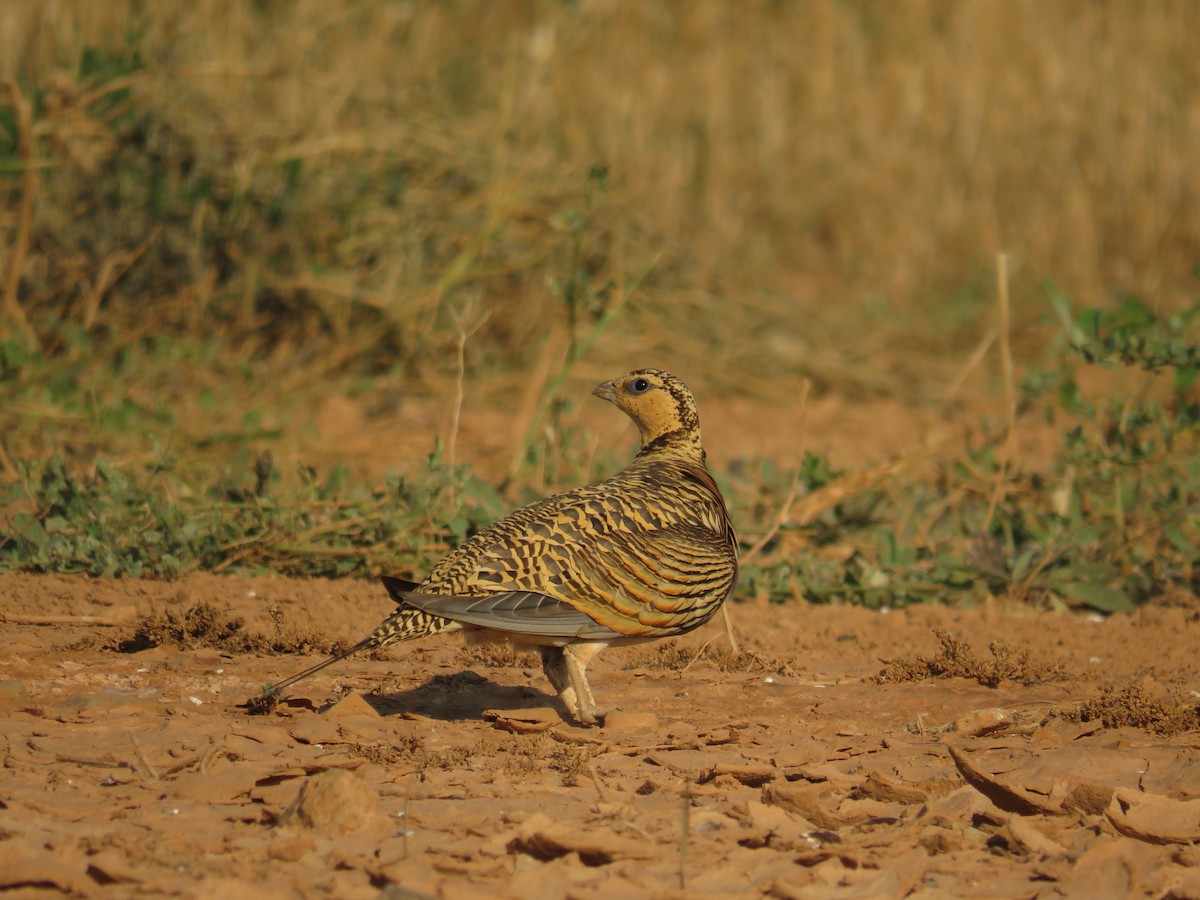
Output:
x=475 y=636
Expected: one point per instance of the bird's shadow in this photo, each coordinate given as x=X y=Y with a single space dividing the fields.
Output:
x=461 y=696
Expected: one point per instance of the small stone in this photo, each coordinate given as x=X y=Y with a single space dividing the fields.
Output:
x=336 y=802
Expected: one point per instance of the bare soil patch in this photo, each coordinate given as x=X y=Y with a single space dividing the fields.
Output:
x=788 y=768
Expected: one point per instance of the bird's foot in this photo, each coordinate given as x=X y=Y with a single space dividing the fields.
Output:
x=591 y=718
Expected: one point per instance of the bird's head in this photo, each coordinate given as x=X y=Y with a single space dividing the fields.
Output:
x=661 y=406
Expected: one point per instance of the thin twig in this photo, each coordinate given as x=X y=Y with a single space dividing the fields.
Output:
x=29 y=184
x=111 y=271
x=806 y=510
x=980 y=352
x=468 y=321
x=201 y=761
x=1010 y=400
x=536 y=382
x=7 y=465
x=704 y=646
x=785 y=509
x=208 y=758
x=122 y=83
x=597 y=782
x=142 y=756
x=780 y=520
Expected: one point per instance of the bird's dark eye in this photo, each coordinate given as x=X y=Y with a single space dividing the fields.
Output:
x=639 y=386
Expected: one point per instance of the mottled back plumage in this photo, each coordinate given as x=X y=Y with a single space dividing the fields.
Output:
x=647 y=553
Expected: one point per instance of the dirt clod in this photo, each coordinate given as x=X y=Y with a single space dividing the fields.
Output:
x=336 y=802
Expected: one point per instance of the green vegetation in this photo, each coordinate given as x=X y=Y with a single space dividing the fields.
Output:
x=1113 y=524
x=216 y=221
x=110 y=522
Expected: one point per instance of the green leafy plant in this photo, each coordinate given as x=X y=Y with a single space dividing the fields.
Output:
x=1112 y=524
x=108 y=524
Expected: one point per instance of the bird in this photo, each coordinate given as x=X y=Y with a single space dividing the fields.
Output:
x=647 y=553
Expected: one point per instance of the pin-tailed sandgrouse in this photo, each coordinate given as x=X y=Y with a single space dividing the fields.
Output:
x=645 y=554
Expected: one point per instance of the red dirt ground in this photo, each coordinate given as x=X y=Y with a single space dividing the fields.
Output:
x=784 y=770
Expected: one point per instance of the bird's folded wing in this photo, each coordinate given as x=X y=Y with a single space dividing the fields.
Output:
x=647 y=583
x=520 y=612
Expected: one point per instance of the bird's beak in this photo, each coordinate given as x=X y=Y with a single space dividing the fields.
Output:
x=605 y=391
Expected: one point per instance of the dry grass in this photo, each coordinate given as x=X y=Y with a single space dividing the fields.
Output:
x=955 y=659
x=671 y=656
x=205 y=625
x=778 y=161
x=497 y=655
x=1133 y=706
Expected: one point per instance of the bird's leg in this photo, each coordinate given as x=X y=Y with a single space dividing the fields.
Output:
x=576 y=657
x=555 y=667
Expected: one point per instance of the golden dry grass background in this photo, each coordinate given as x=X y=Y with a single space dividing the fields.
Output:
x=795 y=189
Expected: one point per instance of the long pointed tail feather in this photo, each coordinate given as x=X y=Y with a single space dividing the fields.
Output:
x=269 y=697
x=404 y=624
